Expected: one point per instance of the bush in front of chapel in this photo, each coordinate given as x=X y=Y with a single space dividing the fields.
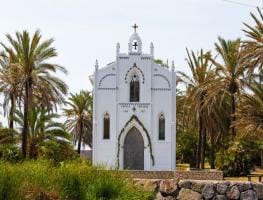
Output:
x=69 y=180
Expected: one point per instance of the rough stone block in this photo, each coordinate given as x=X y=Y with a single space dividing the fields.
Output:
x=258 y=187
x=169 y=187
x=160 y=197
x=244 y=186
x=208 y=191
x=185 y=184
x=221 y=188
x=187 y=194
x=220 y=197
x=233 y=192
x=248 y=195
x=147 y=184
x=198 y=186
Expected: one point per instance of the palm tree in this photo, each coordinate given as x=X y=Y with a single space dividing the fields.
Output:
x=195 y=95
x=7 y=136
x=216 y=112
x=43 y=128
x=253 y=47
x=32 y=57
x=79 y=118
x=181 y=110
x=250 y=111
x=185 y=137
x=230 y=72
x=9 y=83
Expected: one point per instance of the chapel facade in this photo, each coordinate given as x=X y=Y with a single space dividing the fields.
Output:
x=134 y=111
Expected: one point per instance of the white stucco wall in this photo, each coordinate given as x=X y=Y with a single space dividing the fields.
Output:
x=157 y=95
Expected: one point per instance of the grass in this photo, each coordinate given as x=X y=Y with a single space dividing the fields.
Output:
x=75 y=180
x=186 y=166
x=242 y=178
x=72 y=180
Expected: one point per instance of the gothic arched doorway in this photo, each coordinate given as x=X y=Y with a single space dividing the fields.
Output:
x=134 y=150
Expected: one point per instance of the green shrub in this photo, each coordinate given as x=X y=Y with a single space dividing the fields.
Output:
x=185 y=147
x=10 y=152
x=7 y=136
x=4 y=184
x=72 y=187
x=58 y=151
x=239 y=158
x=68 y=180
x=105 y=186
x=9 y=183
x=35 y=192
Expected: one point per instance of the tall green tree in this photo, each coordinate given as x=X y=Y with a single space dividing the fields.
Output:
x=43 y=127
x=253 y=46
x=40 y=86
x=185 y=137
x=217 y=108
x=10 y=85
x=79 y=118
x=250 y=111
x=230 y=72
x=196 y=92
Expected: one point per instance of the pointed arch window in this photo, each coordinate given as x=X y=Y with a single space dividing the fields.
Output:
x=106 y=126
x=161 y=127
x=135 y=89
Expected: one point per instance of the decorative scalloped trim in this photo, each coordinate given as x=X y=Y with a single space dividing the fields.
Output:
x=147 y=134
x=160 y=75
x=134 y=53
x=105 y=76
x=124 y=57
x=107 y=88
x=146 y=58
x=135 y=66
x=161 y=89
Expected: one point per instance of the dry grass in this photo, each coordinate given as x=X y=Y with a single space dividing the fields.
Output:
x=243 y=178
x=186 y=166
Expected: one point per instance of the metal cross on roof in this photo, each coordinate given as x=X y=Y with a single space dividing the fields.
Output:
x=135 y=45
x=135 y=26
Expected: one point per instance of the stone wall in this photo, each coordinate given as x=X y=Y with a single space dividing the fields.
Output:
x=193 y=175
x=148 y=174
x=199 y=175
x=169 y=189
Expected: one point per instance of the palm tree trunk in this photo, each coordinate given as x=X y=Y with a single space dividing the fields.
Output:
x=12 y=111
x=32 y=149
x=43 y=109
x=212 y=150
x=199 y=143
x=203 y=148
x=25 y=125
x=233 y=117
x=80 y=137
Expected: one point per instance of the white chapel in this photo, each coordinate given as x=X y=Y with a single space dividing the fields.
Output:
x=134 y=111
